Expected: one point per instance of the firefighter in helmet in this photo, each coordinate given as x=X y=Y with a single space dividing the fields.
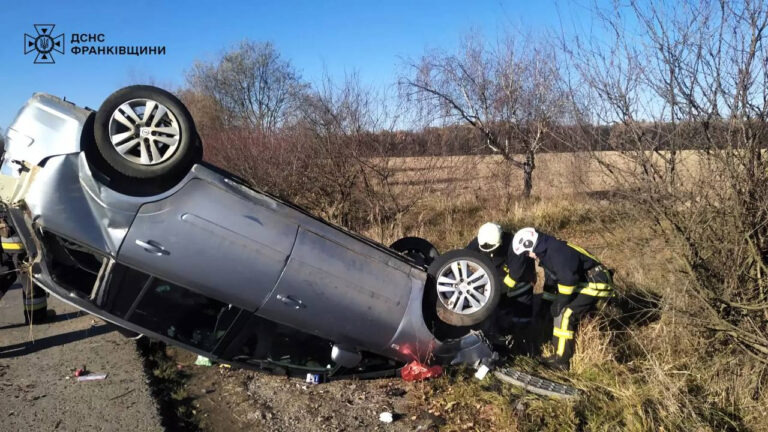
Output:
x=519 y=306
x=582 y=282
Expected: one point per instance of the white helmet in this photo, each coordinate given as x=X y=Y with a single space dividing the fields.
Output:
x=489 y=236
x=524 y=240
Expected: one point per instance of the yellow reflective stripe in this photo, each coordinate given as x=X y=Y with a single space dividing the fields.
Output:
x=13 y=246
x=564 y=334
x=596 y=293
x=583 y=251
x=563 y=327
x=599 y=286
x=565 y=289
x=561 y=346
x=508 y=281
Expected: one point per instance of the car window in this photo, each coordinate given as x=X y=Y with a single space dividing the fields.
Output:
x=183 y=315
x=124 y=286
x=261 y=339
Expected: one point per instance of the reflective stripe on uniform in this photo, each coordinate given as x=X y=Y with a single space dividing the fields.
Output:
x=596 y=293
x=35 y=303
x=508 y=281
x=596 y=289
x=582 y=251
x=12 y=246
x=563 y=330
x=35 y=307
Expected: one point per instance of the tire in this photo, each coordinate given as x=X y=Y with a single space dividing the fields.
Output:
x=416 y=248
x=144 y=152
x=472 y=309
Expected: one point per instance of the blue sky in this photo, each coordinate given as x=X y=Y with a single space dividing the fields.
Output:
x=370 y=38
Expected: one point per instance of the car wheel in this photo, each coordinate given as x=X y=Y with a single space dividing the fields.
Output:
x=145 y=138
x=466 y=287
x=416 y=248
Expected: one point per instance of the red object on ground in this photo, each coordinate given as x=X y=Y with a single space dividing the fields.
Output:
x=417 y=371
x=79 y=372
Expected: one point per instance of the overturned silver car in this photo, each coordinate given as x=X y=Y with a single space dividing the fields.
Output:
x=119 y=216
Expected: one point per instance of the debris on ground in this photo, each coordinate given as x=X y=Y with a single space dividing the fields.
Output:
x=386 y=417
x=313 y=378
x=92 y=377
x=536 y=385
x=482 y=371
x=203 y=361
x=417 y=371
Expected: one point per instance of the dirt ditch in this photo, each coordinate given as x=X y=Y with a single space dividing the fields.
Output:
x=220 y=398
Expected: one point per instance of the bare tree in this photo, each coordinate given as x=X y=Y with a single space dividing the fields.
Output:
x=349 y=142
x=252 y=83
x=685 y=91
x=511 y=94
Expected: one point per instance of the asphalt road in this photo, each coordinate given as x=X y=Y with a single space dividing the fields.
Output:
x=37 y=389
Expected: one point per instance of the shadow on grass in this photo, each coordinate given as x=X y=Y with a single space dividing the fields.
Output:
x=633 y=308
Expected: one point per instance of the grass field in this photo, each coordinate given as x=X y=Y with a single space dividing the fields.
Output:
x=556 y=174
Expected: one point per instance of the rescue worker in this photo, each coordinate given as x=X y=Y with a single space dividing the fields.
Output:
x=7 y=272
x=518 y=274
x=582 y=281
x=8 y=248
x=34 y=298
x=12 y=251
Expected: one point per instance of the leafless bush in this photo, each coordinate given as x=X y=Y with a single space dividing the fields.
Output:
x=353 y=177
x=695 y=73
x=252 y=85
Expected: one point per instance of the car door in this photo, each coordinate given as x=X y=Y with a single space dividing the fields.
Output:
x=210 y=239
x=349 y=296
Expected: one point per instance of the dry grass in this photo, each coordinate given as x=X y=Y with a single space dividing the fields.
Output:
x=556 y=174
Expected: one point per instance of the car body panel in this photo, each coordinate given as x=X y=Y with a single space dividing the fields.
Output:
x=45 y=126
x=211 y=235
x=213 y=242
x=336 y=297
x=88 y=220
